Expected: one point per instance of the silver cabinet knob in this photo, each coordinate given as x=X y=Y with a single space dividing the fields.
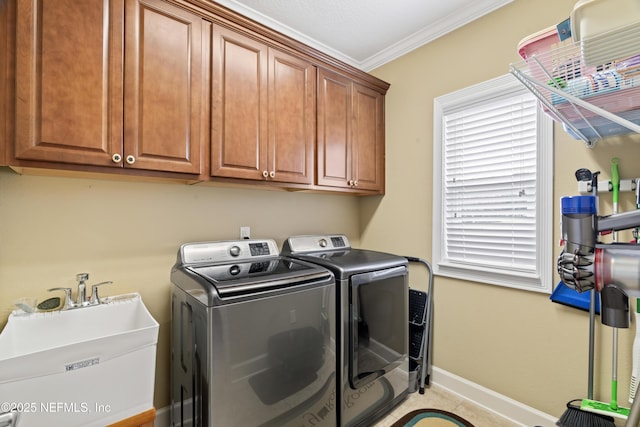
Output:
x=265 y=174
x=116 y=158
x=130 y=159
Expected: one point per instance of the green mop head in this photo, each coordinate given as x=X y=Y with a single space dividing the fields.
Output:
x=604 y=408
x=575 y=417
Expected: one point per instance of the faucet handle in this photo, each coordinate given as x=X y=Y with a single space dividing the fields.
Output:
x=95 y=298
x=82 y=277
x=68 y=303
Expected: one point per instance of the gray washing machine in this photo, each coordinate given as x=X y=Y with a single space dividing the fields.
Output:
x=253 y=338
x=372 y=329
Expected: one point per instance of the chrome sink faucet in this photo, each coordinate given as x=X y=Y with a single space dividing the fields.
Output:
x=81 y=295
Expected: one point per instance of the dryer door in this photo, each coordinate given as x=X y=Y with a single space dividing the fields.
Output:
x=378 y=326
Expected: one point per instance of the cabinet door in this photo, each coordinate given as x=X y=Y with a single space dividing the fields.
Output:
x=69 y=80
x=239 y=106
x=164 y=87
x=292 y=118
x=334 y=129
x=368 y=139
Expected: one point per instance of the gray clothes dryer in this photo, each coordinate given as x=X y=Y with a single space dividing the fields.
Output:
x=372 y=327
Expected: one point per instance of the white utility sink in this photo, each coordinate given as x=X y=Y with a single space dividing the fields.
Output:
x=88 y=366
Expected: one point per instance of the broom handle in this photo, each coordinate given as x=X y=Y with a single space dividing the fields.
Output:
x=592 y=309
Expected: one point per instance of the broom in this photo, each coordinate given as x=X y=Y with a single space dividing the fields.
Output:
x=573 y=415
x=576 y=417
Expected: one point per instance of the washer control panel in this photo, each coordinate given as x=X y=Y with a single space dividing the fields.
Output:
x=230 y=250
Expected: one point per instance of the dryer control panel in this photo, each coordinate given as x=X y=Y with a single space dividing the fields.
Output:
x=315 y=243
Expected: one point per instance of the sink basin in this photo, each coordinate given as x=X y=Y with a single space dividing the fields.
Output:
x=87 y=367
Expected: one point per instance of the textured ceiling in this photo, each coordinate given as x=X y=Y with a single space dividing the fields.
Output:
x=364 y=33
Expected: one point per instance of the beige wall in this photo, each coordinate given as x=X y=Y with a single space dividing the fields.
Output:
x=514 y=342
x=52 y=228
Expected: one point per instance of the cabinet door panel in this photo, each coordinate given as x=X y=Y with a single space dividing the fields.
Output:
x=69 y=80
x=368 y=138
x=292 y=109
x=239 y=113
x=334 y=129
x=164 y=86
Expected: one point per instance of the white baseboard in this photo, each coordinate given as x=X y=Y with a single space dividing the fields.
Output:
x=490 y=400
x=495 y=402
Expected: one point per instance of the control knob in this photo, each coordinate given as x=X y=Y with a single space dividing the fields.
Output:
x=234 y=251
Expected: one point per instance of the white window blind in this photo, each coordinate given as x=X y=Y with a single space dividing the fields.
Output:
x=490 y=226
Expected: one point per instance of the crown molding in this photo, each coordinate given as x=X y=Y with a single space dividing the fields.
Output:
x=444 y=26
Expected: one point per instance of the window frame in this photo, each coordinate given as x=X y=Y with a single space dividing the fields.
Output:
x=469 y=97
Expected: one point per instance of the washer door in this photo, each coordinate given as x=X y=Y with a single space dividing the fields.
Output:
x=378 y=323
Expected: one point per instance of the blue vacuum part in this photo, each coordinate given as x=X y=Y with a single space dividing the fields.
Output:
x=564 y=295
x=578 y=205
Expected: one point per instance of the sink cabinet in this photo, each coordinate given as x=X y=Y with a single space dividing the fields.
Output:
x=263 y=111
x=109 y=83
x=350 y=134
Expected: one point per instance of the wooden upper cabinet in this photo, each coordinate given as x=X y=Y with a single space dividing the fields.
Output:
x=77 y=104
x=367 y=139
x=334 y=129
x=263 y=112
x=166 y=63
x=69 y=80
x=168 y=86
x=350 y=134
x=239 y=105
x=292 y=118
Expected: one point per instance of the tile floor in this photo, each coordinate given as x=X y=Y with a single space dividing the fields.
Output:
x=439 y=398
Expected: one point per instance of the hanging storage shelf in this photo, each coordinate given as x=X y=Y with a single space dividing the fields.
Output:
x=591 y=101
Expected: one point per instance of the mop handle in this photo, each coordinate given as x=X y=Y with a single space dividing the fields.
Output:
x=615 y=183
x=614 y=369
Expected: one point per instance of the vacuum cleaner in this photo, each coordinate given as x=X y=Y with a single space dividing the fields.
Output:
x=585 y=263
x=612 y=269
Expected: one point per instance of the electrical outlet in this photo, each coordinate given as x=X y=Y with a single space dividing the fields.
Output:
x=245 y=232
